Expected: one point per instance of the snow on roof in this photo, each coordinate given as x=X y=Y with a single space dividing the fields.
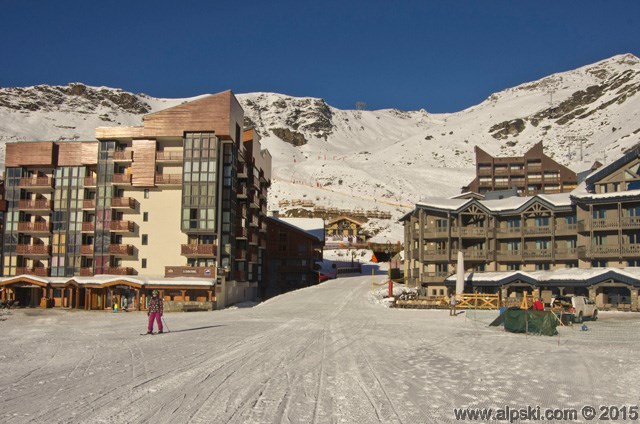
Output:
x=563 y=274
x=497 y=205
x=444 y=203
x=585 y=195
x=106 y=279
x=313 y=226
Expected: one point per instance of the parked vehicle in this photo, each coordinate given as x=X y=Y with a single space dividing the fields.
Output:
x=580 y=306
x=322 y=277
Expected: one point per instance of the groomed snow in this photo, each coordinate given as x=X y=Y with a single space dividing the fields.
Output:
x=323 y=354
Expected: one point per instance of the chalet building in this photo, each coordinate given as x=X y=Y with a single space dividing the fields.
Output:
x=175 y=204
x=294 y=246
x=530 y=174
x=345 y=229
x=596 y=226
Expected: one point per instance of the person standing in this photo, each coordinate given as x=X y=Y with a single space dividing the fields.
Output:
x=156 y=308
x=452 y=311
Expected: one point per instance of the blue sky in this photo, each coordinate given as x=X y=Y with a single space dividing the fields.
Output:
x=442 y=56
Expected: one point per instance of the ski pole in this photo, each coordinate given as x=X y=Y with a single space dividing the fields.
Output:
x=165 y=324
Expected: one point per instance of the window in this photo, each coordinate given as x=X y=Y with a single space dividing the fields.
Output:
x=144 y=263
x=145 y=216
x=146 y=193
x=542 y=267
x=513 y=267
x=599 y=264
x=145 y=239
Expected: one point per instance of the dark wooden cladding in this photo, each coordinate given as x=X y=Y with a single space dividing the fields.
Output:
x=211 y=113
x=29 y=154
x=144 y=166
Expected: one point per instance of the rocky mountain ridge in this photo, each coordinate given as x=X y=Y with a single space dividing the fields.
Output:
x=376 y=159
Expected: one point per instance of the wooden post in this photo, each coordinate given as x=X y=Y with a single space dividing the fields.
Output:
x=87 y=299
x=184 y=294
x=137 y=300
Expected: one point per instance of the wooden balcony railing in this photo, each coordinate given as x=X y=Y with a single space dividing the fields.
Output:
x=123 y=202
x=198 y=249
x=86 y=249
x=86 y=272
x=537 y=253
x=119 y=271
x=38 y=182
x=89 y=204
x=33 y=249
x=121 y=249
x=126 y=226
x=37 y=271
x=432 y=255
x=170 y=179
x=168 y=156
x=34 y=227
x=475 y=254
x=536 y=230
x=88 y=227
x=90 y=181
x=434 y=277
x=123 y=155
x=35 y=205
x=121 y=179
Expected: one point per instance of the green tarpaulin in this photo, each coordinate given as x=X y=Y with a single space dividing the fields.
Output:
x=525 y=321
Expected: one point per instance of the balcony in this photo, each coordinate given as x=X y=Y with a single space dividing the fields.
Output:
x=35 y=206
x=190 y=271
x=37 y=184
x=501 y=171
x=121 y=226
x=33 y=250
x=566 y=229
x=509 y=255
x=509 y=232
x=475 y=254
x=90 y=181
x=253 y=239
x=254 y=202
x=86 y=272
x=533 y=254
x=123 y=203
x=435 y=255
x=34 y=227
x=123 y=156
x=604 y=251
x=242 y=171
x=630 y=222
x=241 y=255
x=434 y=277
x=121 y=179
x=255 y=222
x=198 y=250
x=240 y=276
x=536 y=230
x=566 y=253
x=263 y=244
x=169 y=180
x=37 y=271
x=119 y=271
x=601 y=224
x=121 y=250
x=438 y=232
x=485 y=171
x=88 y=227
x=473 y=232
x=89 y=204
x=263 y=227
x=168 y=156
x=86 y=250
x=241 y=233
x=242 y=191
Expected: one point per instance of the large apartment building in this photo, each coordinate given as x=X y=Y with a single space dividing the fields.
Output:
x=176 y=204
x=597 y=225
x=530 y=174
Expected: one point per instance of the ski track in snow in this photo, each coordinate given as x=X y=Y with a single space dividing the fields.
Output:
x=325 y=354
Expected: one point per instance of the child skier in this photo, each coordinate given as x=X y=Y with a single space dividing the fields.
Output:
x=155 y=312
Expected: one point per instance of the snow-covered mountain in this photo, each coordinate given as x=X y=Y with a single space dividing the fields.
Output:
x=376 y=159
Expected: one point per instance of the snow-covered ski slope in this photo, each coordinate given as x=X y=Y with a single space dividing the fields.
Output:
x=362 y=159
x=325 y=354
